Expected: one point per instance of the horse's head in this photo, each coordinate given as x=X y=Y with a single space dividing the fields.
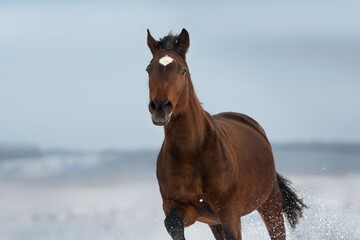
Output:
x=168 y=74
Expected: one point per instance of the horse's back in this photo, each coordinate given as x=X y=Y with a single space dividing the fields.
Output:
x=243 y=133
x=242 y=119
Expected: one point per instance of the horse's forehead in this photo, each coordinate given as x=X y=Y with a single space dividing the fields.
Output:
x=166 y=60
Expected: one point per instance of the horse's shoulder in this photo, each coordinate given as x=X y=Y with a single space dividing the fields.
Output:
x=239 y=117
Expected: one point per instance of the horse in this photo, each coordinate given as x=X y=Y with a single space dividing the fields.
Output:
x=211 y=168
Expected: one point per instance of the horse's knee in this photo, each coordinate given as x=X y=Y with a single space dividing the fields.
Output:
x=174 y=224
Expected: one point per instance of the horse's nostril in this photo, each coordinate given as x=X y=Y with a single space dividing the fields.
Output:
x=160 y=106
x=168 y=107
x=152 y=105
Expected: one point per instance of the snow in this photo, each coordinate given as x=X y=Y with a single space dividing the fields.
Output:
x=78 y=197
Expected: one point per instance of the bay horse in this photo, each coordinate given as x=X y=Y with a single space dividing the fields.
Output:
x=212 y=169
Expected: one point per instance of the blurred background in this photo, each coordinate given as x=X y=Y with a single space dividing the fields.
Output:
x=77 y=146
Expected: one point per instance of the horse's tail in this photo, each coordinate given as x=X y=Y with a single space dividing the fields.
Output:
x=293 y=206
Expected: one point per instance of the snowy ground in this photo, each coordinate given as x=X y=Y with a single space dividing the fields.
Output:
x=87 y=197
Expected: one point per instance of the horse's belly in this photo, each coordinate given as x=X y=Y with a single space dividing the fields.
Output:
x=210 y=221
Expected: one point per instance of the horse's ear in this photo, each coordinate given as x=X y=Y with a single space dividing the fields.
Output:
x=184 y=40
x=152 y=43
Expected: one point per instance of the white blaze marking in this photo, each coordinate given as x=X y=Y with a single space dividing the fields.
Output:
x=201 y=200
x=166 y=60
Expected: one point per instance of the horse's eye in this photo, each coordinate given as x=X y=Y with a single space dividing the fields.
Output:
x=183 y=71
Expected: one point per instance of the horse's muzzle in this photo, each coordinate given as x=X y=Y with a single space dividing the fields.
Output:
x=161 y=110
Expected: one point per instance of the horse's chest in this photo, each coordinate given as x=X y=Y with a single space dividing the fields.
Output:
x=183 y=184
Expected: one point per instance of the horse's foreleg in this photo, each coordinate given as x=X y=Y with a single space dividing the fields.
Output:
x=218 y=232
x=177 y=218
x=271 y=213
x=230 y=220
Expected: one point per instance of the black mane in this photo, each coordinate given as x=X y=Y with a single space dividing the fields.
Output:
x=170 y=42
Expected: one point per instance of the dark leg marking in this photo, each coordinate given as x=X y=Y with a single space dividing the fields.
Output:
x=175 y=225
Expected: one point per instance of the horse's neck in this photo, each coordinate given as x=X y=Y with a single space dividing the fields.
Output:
x=188 y=130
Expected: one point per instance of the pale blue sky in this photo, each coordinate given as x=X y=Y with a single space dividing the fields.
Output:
x=72 y=74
